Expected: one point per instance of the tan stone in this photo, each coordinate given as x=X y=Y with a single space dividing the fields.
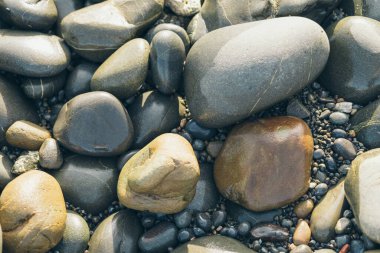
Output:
x=32 y=213
x=304 y=208
x=265 y=164
x=26 y=135
x=161 y=177
x=302 y=234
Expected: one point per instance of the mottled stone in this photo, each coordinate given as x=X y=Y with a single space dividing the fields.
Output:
x=256 y=167
x=50 y=154
x=26 y=135
x=344 y=148
x=31 y=15
x=5 y=171
x=198 y=131
x=152 y=114
x=79 y=79
x=118 y=21
x=94 y=123
x=75 y=236
x=161 y=177
x=366 y=124
x=32 y=213
x=46 y=87
x=118 y=233
x=213 y=244
x=214 y=147
x=327 y=213
x=32 y=54
x=27 y=161
x=167 y=58
x=123 y=73
x=88 y=182
x=362 y=191
x=269 y=232
x=351 y=70
x=231 y=74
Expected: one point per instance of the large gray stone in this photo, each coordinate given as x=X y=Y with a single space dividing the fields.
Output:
x=32 y=54
x=352 y=69
x=239 y=70
x=117 y=21
x=362 y=190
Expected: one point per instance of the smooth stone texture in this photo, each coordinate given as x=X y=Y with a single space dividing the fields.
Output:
x=88 y=182
x=5 y=171
x=351 y=70
x=304 y=208
x=367 y=8
x=325 y=251
x=241 y=214
x=231 y=74
x=366 y=124
x=216 y=14
x=79 y=79
x=297 y=109
x=362 y=192
x=161 y=177
x=13 y=107
x=326 y=214
x=152 y=114
x=96 y=124
x=38 y=88
x=302 y=249
x=32 y=54
x=343 y=226
x=169 y=27
x=338 y=118
x=118 y=233
x=302 y=234
x=123 y=159
x=28 y=160
x=123 y=73
x=118 y=21
x=159 y=238
x=213 y=244
x=76 y=235
x=199 y=132
x=30 y=15
x=269 y=232
x=32 y=213
x=65 y=7
x=50 y=154
x=344 y=148
x=256 y=167
x=26 y=135
x=167 y=58
x=213 y=148
x=184 y=7
x=206 y=194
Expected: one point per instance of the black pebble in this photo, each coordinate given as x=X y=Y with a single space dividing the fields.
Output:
x=204 y=221
x=183 y=219
x=244 y=228
x=219 y=217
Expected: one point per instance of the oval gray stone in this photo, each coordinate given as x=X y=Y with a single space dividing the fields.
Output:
x=79 y=79
x=169 y=27
x=94 y=123
x=123 y=73
x=32 y=54
x=118 y=21
x=239 y=70
x=44 y=87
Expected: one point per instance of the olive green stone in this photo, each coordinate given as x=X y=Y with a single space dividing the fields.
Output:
x=123 y=73
x=75 y=236
x=213 y=244
x=32 y=54
x=326 y=214
x=117 y=21
x=363 y=192
x=351 y=71
x=31 y=15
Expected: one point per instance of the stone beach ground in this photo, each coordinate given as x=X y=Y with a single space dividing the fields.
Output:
x=189 y=126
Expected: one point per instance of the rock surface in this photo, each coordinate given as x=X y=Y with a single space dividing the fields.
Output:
x=95 y=124
x=50 y=154
x=362 y=192
x=79 y=79
x=32 y=213
x=255 y=165
x=87 y=182
x=161 y=177
x=351 y=70
x=159 y=238
x=231 y=74
x=28 y=160
x=32 y=54
x=5 y=171
x=367 y=8
x=39 y=88
x=123 y=73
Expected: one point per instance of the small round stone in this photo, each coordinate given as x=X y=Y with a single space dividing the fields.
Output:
x=302 y=249
x=198 y=232
x=219 y=217
x=304 y=208
x=318 y=154
x=50 y=154
x=244 y=228
x=339 y=118
x=203 y=220
x=344 y=148
x=185 y=235
x=321 y=189
x=183 y=219
x=339 y=133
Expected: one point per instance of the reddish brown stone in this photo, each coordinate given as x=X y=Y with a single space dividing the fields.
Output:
x=265 y=164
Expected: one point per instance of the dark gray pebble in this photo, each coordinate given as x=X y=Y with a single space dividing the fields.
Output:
x=159 y=238
x=344 y=148
x=183 y=219
x=199 y=132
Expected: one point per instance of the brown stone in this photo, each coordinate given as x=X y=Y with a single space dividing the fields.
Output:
x=265 y=164
x=304 y=208
x=26 y=135
x=302 y=234
x=161 y=177
x=32 y=213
